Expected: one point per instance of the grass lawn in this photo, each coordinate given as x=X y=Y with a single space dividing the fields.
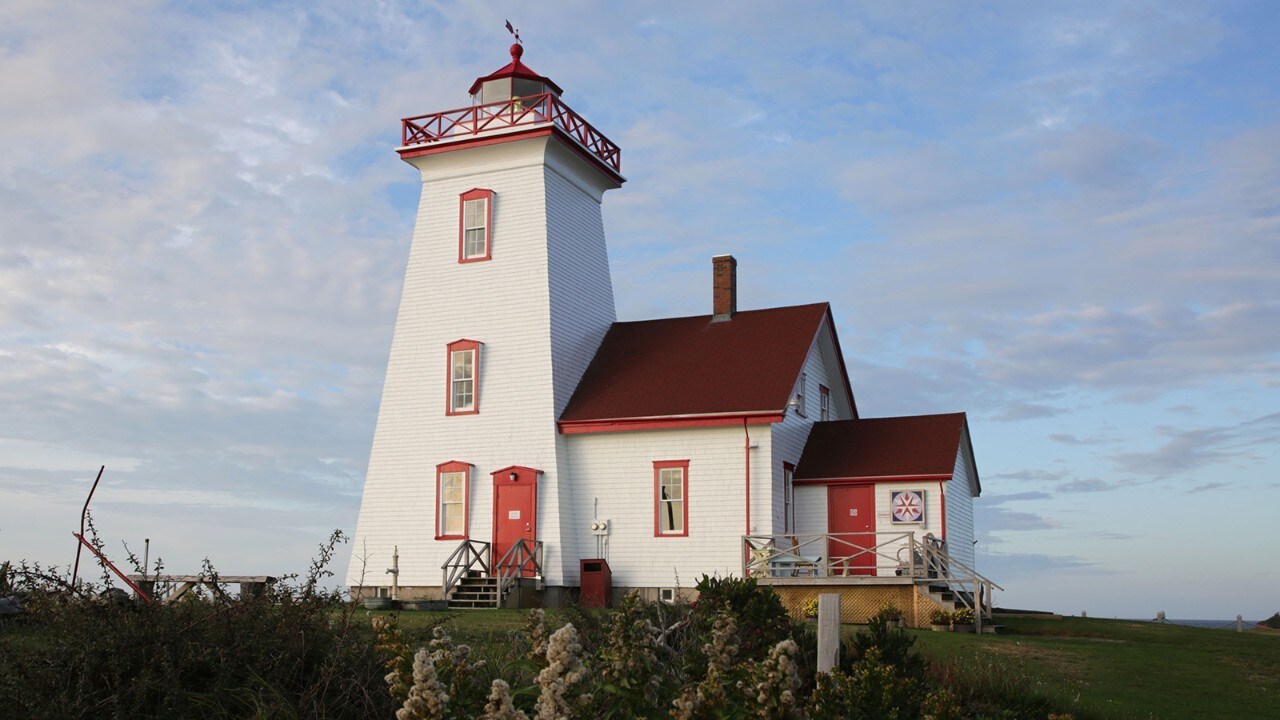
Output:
x=1122 y=669
x=1093 y=667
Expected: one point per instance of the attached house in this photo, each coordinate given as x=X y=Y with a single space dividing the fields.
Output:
x=523 y=430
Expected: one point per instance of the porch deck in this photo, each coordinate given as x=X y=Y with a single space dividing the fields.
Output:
x=868 y=570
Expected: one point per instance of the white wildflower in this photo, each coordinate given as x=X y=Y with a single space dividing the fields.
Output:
x=427 y=698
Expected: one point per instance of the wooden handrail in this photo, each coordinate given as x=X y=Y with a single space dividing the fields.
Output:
x=469 y=555
x=516 y=112
x=523 y=555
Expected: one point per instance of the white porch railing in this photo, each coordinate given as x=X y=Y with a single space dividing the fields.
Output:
x=848 y=557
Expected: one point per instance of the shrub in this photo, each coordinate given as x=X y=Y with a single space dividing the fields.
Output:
x=758 y=611
x=290 y=653
x=889 y=611
x=810 y=608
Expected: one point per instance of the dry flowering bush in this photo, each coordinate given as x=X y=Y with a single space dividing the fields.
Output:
x=389 y=642
x=427 y=697
x=776 y=684
x=560 y=679
x=455 y=664
x=635 y=660
x=702 y=699
x=500 y=705
x=536 y=630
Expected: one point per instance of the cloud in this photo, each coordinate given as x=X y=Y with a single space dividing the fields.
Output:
x=1085 y=486
x=996 y=519
x=994 y=500
x=1069 y=439
x=1032 y=565
x=1186 y=451
x=1026 y=411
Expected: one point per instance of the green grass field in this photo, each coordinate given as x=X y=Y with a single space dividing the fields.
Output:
x=1123 y=669
x=1090 y=667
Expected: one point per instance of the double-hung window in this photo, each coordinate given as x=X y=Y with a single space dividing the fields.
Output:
x=475 y=225
x=453 y=484
x=464 y=377
x=824 y=402
x=671 y=498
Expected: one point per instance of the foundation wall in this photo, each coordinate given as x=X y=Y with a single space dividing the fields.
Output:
x=858 y=603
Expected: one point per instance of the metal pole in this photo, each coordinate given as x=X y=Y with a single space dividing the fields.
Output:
x=84 y=513
x=146 y=556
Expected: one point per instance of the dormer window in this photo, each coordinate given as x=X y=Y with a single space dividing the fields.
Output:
x=474 y=225
x=464 y=377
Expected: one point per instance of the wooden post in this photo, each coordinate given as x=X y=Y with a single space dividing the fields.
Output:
x=828 y=632
x=1239 y=624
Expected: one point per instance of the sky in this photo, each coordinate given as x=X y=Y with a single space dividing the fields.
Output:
x=1062 y=219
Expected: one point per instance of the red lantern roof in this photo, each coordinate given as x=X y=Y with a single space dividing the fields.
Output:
x=516 y=69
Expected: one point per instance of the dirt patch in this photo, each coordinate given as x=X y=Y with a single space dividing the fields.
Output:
x=1060 y=660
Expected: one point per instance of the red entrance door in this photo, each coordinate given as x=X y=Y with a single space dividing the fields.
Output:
x=515 y=511
x=851 y=516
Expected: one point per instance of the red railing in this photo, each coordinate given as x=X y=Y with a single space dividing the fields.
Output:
x=516 y=112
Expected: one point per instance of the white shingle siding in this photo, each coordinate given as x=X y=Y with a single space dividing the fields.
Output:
x=616 y=468
x=960 y=510
x=523 y=313
x=790 y=435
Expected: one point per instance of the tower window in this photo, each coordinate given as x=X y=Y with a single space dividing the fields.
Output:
x=475 y=225
x=453 y=485
x=464 y=377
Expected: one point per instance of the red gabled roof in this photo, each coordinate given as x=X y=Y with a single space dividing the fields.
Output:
x=680 y=367
x=883 y=447
x=515 y=69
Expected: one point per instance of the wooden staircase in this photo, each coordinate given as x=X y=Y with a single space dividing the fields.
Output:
x=471 y=584
x=476 y=590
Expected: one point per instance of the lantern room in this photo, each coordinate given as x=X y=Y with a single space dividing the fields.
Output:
x=514 y=81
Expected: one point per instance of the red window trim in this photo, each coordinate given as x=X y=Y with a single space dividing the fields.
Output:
x=451 y=348
x=658 y=467
x=788 y=503
x=475 y=194
x=824 y=402
x=464 y=468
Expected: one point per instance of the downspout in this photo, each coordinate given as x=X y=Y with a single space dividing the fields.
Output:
x=746 y=455
x=942 y=495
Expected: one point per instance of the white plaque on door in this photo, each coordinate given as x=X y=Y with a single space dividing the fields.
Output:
x=853 y=512
x=513 y=514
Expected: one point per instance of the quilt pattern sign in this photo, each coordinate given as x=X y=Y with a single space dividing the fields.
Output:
x=907 y=506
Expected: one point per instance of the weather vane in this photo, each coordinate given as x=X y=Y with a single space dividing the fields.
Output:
x=514 y=31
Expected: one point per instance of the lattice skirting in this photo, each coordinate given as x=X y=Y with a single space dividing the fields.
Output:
x=859 y=602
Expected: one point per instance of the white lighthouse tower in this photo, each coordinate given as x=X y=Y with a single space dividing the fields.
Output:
x=507 y=296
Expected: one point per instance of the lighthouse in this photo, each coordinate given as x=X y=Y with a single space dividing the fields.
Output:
x=506 y=298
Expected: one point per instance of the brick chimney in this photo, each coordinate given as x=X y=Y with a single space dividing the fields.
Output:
x=724 y=285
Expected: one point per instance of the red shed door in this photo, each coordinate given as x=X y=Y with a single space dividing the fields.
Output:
x=515 y=509
x=851 y=515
